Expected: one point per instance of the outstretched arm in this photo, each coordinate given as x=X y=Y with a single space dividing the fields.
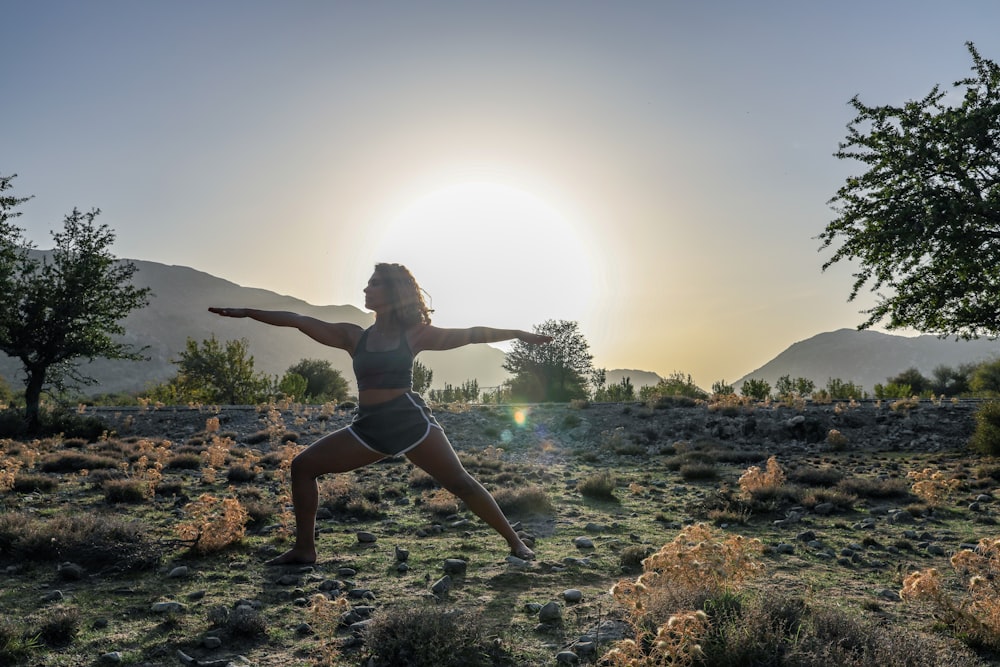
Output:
x=334 y=334
x=435 y=338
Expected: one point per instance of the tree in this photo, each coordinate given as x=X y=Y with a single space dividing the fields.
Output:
x=213 y=372
x=65 y=306
x=675 y=384
x=556 y=371
x=323 y=382
x=422 y=377
x=757 y=388
x=914 y=379
x=923 y=222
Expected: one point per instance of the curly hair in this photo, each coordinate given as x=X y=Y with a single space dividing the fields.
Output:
x=408 y=305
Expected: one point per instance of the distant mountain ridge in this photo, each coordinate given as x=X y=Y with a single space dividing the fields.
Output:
x=867 y=358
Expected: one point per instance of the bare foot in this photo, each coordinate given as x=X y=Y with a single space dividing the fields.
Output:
x=523 y=552
x=294 y=556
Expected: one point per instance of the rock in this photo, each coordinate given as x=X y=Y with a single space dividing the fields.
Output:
x=583 y=543
x=303 y=629
x=346 y=572
x=888 y=594
x=441 y=586
x=53 y=596
x=572 y=595
x=179 y=572
x=211 y=642
x=402 y=555
x=514 y=561
x=567 y=658
x=550 y=612
x=784 y=548
x=112 y=658
x=364 y=537
x=168 y=607
x=455 y=566
x=70 y=572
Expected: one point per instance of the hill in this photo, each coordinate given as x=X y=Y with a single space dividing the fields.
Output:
x=868 y=358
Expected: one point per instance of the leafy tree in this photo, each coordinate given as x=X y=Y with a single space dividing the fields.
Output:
x=893 y=390
x=556 y=371
x=422 y=377
x=985 y=378
x=323 y=381
x=293 y=384
x=914 y=378
x=722 y=388
x=800 y=386
x=923 y=221
x=756 y=388
x=839 y=390
x=949 y=381
x=66 y=306
x=621 y=392
x=213 y=372
x=675 y=384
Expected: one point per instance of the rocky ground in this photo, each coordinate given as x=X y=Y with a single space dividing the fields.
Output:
x=558 y=606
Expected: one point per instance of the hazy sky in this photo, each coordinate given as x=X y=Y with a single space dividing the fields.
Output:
x=656 y=171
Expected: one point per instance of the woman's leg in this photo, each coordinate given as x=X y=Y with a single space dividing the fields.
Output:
x=437 y=458
x=336 y=452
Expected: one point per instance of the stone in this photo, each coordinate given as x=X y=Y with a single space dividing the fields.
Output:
x=567 y=658
x=583 y=543
x=572 y=595
x=179 y=572
x=111 y=658
x=441 y=586
x=364 y=537
x=455 y=566
x=167 y=607
x=550 y=612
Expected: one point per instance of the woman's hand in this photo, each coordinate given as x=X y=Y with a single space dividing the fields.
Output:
x=229 y=312
x=533 y=338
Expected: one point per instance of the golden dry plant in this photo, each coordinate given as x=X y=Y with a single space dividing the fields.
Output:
x=214 y=456
x=9 y=467
x=756 y=481
x=975 y=615
x=696 y=564
x=213 y=523
x=933 y=486
x=325 y=619
x=835 y=438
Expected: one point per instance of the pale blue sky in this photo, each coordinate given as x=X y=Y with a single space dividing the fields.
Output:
x=686 y=147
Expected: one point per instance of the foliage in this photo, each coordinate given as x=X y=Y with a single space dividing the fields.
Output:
x=976 y=615
x=467 y=393
x=64 y=307
x=557 y=371
x=600 y=485
x=892 y=390
x=324 y=383
x=213 y=523
x=215 y=373
x=757 y=482
x=52 y=422
x=756 y=388
x=800 y=386
x=986 y=438
x=914 y=379
x=293 y=386
x=839 y=390
x=921 y=221
x=723 y=388
x=675 y=384
x=424 y=634
x=933 y=486
x=621 y=392
x=698 y=563
x=948 y=381
x=985 y=378
x=422 y=377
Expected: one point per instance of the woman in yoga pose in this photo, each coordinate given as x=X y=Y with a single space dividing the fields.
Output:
x=391 y=418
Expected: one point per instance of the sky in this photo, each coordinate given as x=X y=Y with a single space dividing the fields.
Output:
x=656 y=171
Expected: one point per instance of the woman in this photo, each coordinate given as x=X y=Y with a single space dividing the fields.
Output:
x=391 y=418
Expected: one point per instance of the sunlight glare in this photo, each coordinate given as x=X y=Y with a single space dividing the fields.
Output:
x=494 y=255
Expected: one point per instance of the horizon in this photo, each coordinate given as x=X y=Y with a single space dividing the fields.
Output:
x=657 y=172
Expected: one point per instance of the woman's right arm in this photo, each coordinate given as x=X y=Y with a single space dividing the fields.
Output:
x=335 y=334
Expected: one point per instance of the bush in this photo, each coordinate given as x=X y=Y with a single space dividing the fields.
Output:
x=600 y=485
x=523 y=501
x=417 y=635
x=125 y=491
x=986 y=438
x=52 y=422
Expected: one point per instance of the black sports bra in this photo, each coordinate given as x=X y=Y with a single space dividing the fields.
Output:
x=383 y=369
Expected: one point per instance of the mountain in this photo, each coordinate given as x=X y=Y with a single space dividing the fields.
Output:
x=637 y=378
x=177 y=311
x=867 y=358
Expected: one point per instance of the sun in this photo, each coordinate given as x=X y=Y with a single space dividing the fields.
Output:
x=495 y=255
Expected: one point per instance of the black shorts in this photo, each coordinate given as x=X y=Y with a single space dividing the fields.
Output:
x=394 y=427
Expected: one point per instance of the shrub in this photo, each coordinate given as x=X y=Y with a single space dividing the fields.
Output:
x=183 y=461
x=599 y=485
x=413 y=635
x=75 y=462
x=343 y=496
x=214 y=524
x=523 y=501
x=35 y=483
x=933 y=486
x=90 y=540
x=870 y=487
x=757 y=483
x=698 y=471
x=60 y=627
x=810 y=476
x=986 y=438
x=756 y=388
x=16 y=643
x=125 y=491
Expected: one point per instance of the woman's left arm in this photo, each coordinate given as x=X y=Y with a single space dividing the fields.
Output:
x=435 y=338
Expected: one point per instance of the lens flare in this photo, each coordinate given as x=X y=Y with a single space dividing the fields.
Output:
x=520 y=417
